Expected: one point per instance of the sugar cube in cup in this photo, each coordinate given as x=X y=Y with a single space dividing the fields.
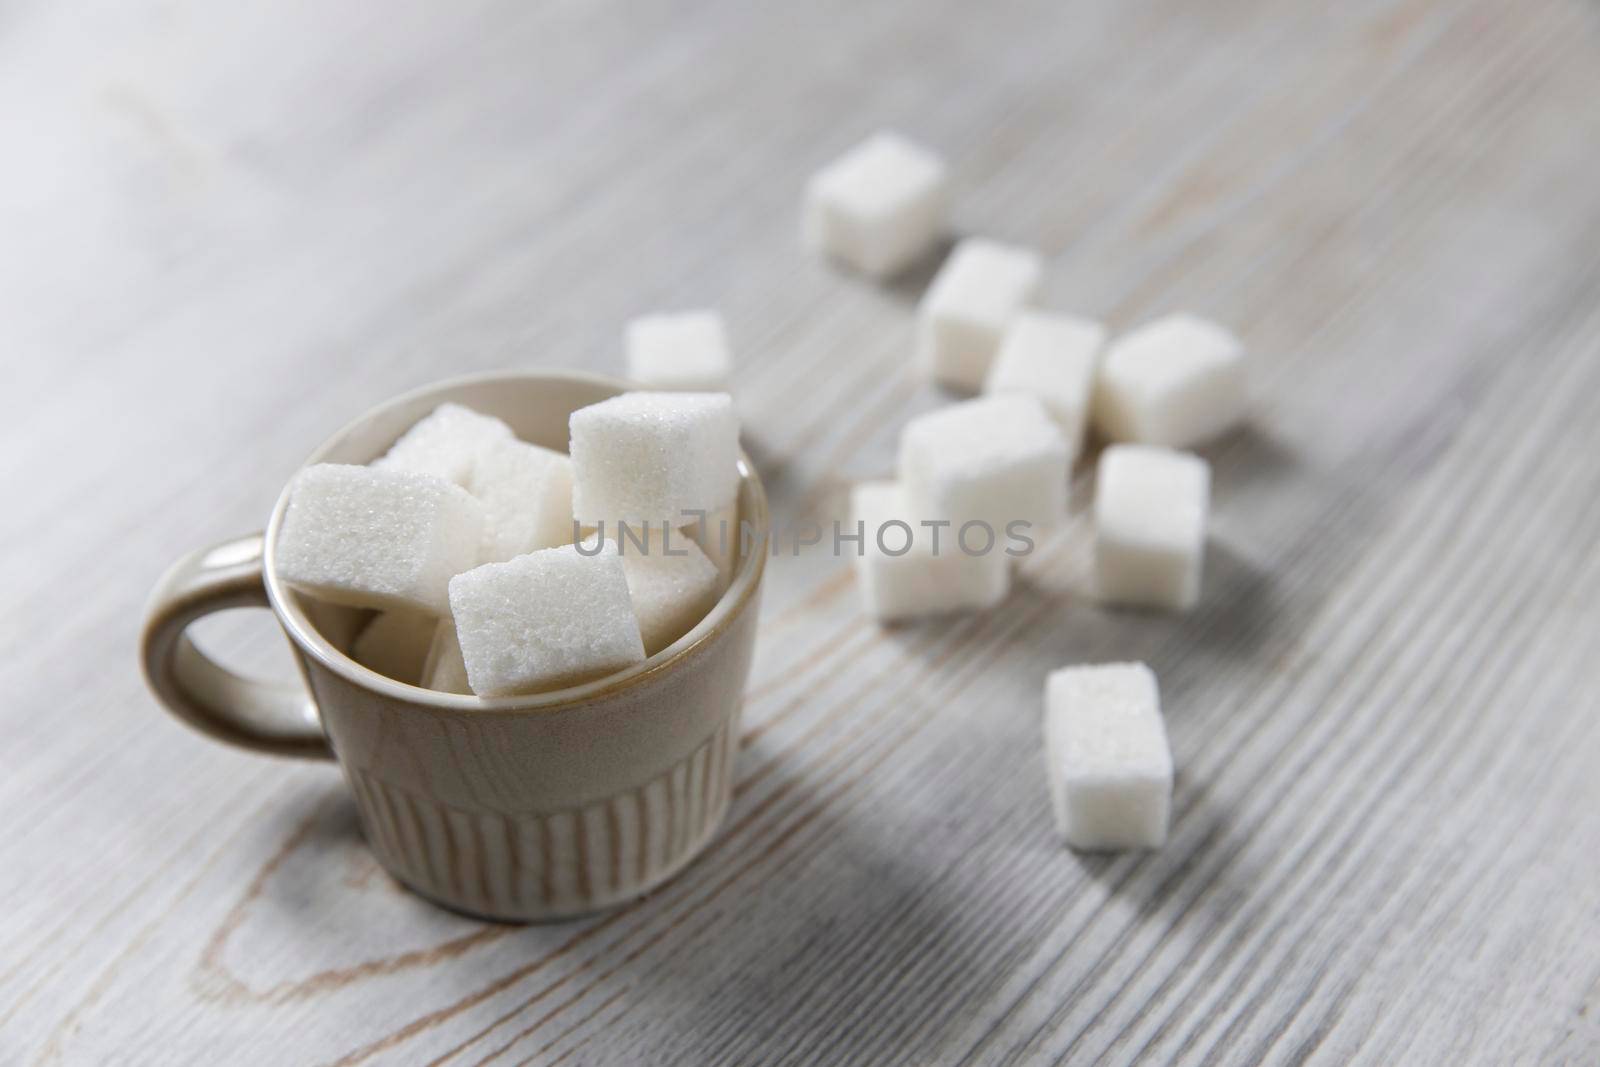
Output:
x=653 y=457
x=548 y=619
x=1109 y=765
x=444 y=669
x=720 y=537
x=446 y=444
x=878 y=207
x=376 y=537
x=902 y=574
x=671 y=581
x=966 y=310
x=526 y=493
x=395 y=643
x=1150 y=511
x=1052 y=357
x=681 y=351
x=996 y=459
x=1178 y=381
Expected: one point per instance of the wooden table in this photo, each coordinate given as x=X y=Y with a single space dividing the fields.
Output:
x=227 y=231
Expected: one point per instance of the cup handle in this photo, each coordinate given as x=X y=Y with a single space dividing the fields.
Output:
x=272 y=717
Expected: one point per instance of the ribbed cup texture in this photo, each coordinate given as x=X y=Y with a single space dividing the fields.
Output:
x=546 y=865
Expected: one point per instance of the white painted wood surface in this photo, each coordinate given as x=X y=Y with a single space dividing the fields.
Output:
x=228 y=229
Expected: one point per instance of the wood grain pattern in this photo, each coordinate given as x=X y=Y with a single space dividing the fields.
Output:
x=229 y=231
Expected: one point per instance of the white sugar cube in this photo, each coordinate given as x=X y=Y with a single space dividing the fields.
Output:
x=684 y=351
x=964 y=314
x=1178 y=381
x=1110 y=768
x=1150 y=509
x=526 y=493
x=654 y=457
x=995 y=459
x=444 y=669
x=377 y=538
x=446 y=444
x=671 y=581
x=1052 y=357
x=721 y=538
x=877 y=207
x=395 y=644
x=902 y=574
x=544 y=620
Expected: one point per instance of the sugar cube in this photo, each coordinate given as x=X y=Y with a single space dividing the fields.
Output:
x=997 y=459
x=654 y=457
x=721 y=538
x=685 y=351
x=377 y=537
x=1150 y=526
x=548 y=619
x=1177 y=381
x=1110 y=768
x=444 y=669
x=963 y=315
x=1053 y=357
x=526 y=493
x=904 y=574
x=445 y=444
x=671 y=581
x=395 y=644
x=877 y=207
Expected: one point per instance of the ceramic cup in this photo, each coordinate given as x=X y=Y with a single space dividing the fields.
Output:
x=513 y=808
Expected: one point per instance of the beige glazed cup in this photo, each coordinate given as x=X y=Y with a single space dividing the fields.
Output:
x=513 y=808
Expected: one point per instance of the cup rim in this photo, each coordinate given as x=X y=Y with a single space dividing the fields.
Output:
x=735 y=599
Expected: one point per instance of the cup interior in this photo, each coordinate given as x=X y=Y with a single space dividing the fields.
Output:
x=536 y=406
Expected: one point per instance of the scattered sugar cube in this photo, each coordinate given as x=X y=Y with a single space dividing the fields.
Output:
x=651 y=457
x=548 y=619
x=1053 y=357
x=877 y=207
x=671 y=581
x=919 y=581
x=683 y=351
x=445 y=444
x=375 y=537
x=1109 y=765
x=963 y=315
x=1150 y=526
x=1178 y=381
x=395 y=644
x=526 y=493
x=444 y=669
x=998 y=459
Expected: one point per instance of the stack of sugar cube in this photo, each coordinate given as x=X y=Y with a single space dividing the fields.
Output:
x=461 y=539
x=1005 y=458
x=1002 y=462
x=1177 y=381
x=1045 y=377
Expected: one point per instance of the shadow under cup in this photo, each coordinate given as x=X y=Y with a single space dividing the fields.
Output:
x=543 y=806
